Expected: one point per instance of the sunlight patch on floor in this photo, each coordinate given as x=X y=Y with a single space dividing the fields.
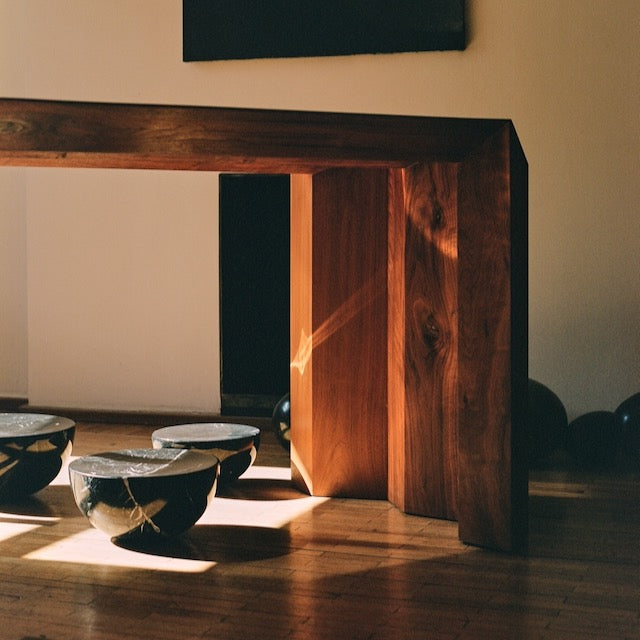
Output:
x=10 y=530
x=268 y=473
x=263 y=513
x=93 y=547
x=274 y=514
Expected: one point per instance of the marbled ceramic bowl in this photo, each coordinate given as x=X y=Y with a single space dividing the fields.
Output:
x=33 y=448
x=137 y=492
x=235 y=445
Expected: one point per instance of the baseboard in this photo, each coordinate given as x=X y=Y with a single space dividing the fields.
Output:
x=11 y=404
x=136 y=417
x=248 y=404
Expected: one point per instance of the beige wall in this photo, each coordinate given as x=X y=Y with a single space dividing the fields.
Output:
x=567 y=73
x=13 y=290
x=122 y=289
x=13 y=239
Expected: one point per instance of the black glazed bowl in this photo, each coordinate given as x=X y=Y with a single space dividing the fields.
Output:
x=33 y=448
x=235 y=445
x=281 y=421
x=141 y=492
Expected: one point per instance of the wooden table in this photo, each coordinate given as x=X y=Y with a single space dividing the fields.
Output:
x=408 y=287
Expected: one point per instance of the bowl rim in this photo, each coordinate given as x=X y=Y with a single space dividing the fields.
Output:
x=33 y=424
x=142 y=463
x=205 y=433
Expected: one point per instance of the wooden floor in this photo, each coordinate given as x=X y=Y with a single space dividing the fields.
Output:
x=268 y=562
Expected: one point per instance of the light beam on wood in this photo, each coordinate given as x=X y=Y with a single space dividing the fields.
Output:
x=416 y=389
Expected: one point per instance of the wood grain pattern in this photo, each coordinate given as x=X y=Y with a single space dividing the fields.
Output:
x=373 y=215
x=339 y=568
x=54 y=133
x=346 y=290
x=519 y=347
x=492 y=366
x=396 y=337
x=301 y=323
x=423 y=329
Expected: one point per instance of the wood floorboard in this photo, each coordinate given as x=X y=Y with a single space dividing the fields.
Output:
x=266 y=561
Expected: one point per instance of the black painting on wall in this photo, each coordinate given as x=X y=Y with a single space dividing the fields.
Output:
x=238 y=29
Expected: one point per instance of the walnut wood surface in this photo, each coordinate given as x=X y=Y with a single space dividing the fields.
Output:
x=343 y=285
x=492 y=469
x=423 y=335
x=53 y=133
x=301 y=322
x=398 y=223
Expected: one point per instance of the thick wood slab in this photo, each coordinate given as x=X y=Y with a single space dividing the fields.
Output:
x=53 y=133
x=339 y=312
x=492 y=465
x=409 y=286
x=423 y=339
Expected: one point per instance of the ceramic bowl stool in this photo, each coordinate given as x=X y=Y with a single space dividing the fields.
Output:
x=235 y=445
x=144 y=492
x=33 y=448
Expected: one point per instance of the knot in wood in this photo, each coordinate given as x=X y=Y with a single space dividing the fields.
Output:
x=437 y=217
x=431 y=331
x=427 y=326
x=11 y=126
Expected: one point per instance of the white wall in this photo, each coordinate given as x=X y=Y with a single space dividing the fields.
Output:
x=13 y=290
x=567 y=74
x=122 y=288
x=13 y=239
